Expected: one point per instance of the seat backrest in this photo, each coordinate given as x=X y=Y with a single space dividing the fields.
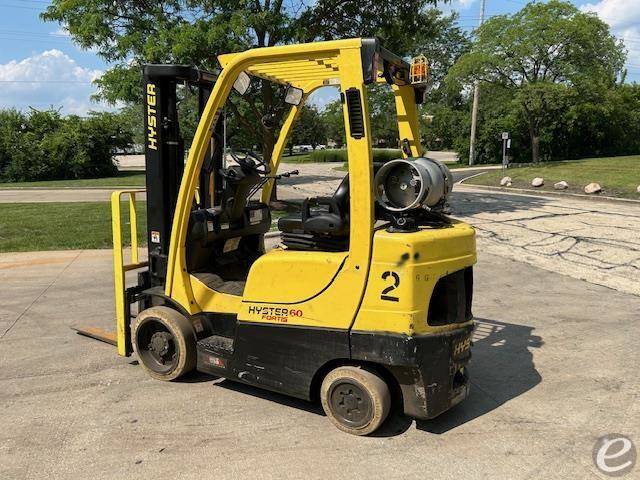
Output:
x=341 y=195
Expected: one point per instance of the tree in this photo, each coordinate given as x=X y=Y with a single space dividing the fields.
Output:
x=44 y=145
x=128 y=33
x=309 y=129
x=333 y=119
x=538 y=55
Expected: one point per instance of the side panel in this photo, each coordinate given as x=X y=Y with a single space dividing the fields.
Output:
x=287 y=277
x=280 y=358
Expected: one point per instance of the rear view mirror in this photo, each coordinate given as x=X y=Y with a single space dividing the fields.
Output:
x=242 y=83
x=293 y=96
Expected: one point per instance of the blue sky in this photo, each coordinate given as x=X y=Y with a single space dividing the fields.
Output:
x=40 y=66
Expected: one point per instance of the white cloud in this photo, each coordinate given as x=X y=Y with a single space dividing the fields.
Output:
x=463 y=3
x=50 y=78
x=619 y=14
x=459 y=6
x=623 y=16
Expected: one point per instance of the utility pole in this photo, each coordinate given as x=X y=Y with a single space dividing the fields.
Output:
x=474 y=108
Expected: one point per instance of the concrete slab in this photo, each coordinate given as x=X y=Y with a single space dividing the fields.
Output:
x=554 y=367
x=597 y=241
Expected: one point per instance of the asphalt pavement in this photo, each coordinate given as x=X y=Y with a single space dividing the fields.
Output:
x=554 y=367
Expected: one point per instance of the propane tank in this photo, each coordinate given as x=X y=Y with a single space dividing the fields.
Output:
x=408 y=184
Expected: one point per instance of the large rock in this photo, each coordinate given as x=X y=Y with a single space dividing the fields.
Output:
x=593 y=188
x=537 y=182
x=638 y=189
x=562 y=185
x=506 y=181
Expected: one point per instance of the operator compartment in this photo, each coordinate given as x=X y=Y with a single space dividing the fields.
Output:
x=225 y=239
x=225 y=246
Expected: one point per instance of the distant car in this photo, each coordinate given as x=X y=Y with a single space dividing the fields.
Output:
x=302 y=148
x=321 y=147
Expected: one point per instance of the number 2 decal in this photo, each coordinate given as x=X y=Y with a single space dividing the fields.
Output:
x=396 y=283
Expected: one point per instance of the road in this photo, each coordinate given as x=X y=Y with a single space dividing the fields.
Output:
x=554 y=367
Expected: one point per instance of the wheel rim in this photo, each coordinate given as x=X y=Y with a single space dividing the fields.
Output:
x=350 y=404
x=157 y=347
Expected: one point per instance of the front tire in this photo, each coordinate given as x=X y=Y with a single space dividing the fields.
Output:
x=165 y=343
x=356 y=400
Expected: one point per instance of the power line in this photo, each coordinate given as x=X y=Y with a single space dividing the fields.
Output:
x=76 y=82
x=37 y=40
x=23 y=7
x=27 y=33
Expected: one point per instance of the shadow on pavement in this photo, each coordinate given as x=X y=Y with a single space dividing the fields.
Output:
x=312 y=407
x=501 y=369
x=471 y=203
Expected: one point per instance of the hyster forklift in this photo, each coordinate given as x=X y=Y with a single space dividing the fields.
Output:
x=366 y=299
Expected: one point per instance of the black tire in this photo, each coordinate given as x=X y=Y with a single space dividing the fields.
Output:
x=165 y=343
x=356 y=400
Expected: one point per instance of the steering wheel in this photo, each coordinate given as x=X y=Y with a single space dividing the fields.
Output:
x=250 y=161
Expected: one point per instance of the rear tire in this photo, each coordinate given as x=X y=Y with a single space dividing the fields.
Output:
x=356 y=400
x=165 y=343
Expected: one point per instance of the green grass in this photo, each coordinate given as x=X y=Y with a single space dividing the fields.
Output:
x=62 y=226
x=126 y=178
x=26 y=227
x=301 y=158
x=618 y=176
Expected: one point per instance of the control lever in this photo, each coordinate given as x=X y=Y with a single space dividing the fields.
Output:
x=286 y=174
x=271 y=177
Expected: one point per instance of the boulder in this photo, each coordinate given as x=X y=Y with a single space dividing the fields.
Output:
x=638 y=189
x=537 y=182
x=593 y=188
x=507 y=180
x=562 y=185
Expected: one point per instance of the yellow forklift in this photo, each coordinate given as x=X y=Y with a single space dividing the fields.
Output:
x=368 y=295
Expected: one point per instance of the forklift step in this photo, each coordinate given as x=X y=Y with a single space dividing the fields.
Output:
x=217 y=345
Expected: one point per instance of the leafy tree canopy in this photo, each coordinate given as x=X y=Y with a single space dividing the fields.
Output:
x=539 y=53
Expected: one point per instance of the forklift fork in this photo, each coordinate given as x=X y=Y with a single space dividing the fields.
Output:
x=124 y=297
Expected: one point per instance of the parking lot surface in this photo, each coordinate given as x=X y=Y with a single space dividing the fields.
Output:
x=554 y=367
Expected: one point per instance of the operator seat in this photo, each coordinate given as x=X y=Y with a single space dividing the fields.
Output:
x=322 y=225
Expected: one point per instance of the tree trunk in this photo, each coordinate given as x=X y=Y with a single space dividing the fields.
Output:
x=535 y=147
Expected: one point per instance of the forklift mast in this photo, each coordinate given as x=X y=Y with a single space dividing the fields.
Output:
x=164 y=154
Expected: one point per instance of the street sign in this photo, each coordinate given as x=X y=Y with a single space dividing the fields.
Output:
x=506 y=145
